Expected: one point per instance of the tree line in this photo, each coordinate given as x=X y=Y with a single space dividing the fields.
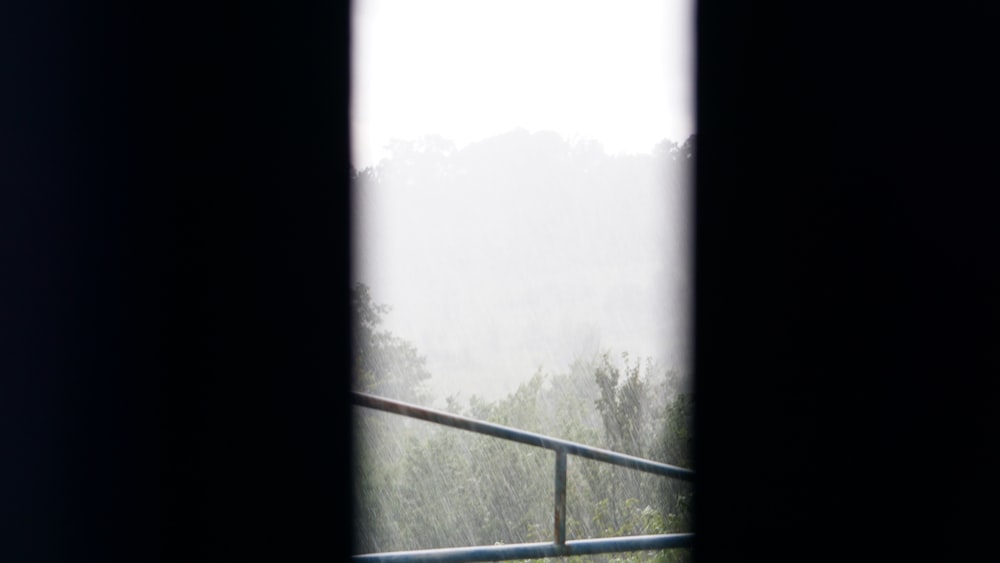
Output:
x=420 y=486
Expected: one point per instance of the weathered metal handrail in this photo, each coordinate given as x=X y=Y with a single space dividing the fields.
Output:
x=559 y=547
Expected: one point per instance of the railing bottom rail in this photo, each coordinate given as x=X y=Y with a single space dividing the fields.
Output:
x=533 y=550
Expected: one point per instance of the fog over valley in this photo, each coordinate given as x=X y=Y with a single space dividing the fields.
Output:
x=521 y=200
x=524 y=252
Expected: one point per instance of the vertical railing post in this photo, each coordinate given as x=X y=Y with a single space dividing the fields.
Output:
x=560 y=508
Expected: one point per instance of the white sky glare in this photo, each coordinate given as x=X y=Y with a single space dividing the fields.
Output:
x=615 y=71
x=454 y=270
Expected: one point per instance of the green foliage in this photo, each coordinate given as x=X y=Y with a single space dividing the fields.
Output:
x=623 y=405
x=423 y=486
x=385 y=364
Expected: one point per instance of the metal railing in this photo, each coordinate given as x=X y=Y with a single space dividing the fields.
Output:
x=562 y=448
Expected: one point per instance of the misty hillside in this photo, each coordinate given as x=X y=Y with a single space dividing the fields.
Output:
x=525 y=251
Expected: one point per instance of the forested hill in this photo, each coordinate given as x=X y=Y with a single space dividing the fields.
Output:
x=526 y=250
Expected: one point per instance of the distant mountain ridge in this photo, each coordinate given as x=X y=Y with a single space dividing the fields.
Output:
x=499 y=256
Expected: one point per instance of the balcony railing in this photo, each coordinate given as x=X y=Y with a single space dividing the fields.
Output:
x=562 y=448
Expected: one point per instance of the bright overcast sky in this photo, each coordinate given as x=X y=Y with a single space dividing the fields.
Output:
x=618 y=71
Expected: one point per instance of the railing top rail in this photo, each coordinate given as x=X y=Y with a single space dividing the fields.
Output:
x=524 y=437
